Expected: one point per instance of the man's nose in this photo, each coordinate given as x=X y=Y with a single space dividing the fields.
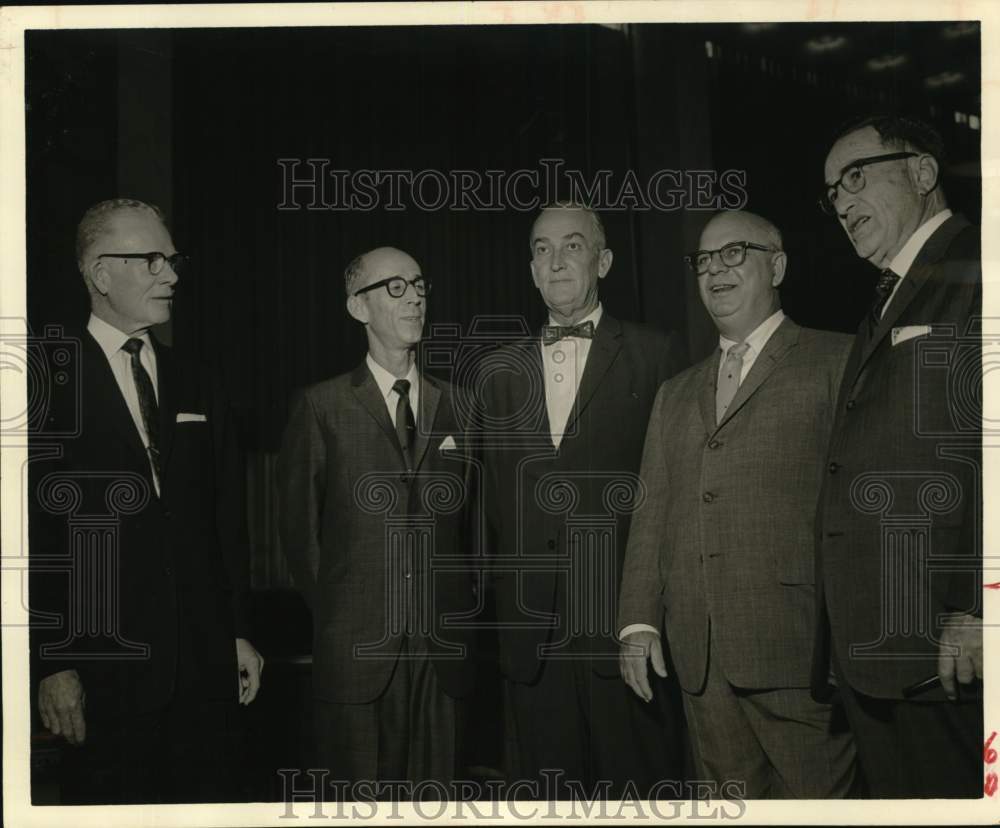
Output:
x=558 y=260
x=168 y=275
x=715 y=263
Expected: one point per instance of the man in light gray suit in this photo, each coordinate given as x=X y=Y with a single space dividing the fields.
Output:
x=722 y=548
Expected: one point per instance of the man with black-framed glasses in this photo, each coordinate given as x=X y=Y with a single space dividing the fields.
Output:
x=899 y=630
x=722 y=551
x=150 y=636
x=373 y=479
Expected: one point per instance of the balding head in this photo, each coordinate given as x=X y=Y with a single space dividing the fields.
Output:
x=739 y=297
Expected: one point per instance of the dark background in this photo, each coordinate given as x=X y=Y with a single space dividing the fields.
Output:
x=195 y=120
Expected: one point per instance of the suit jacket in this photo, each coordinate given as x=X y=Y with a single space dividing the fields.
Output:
x=561 y=516
x=373 y=547
x=899 y=523
x=141 y=594
x=724 y=540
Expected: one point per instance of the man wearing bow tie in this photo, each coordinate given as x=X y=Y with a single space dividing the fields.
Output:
x=373 y=483
x=899 y=529
x=566 y=412
x=138 y=546
x=723 y=547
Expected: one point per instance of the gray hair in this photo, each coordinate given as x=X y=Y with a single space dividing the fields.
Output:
x=96 y=222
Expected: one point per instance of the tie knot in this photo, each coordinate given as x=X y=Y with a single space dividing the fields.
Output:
x=401 y=387
x=738 y=351
x=553 y=333
x=132 y=346
x=886 y=282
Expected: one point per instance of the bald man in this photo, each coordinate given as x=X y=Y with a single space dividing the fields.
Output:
x=722 y=549
x=372 y=480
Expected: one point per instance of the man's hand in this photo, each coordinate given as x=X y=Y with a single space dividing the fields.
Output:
x=964 y=632
x=635 y=649
x=250 y=664
x=61 y=701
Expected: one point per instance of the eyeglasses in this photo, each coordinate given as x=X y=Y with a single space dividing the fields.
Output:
x=731 y=255
x=154 y=261
x=852 y=179
x=396 y=286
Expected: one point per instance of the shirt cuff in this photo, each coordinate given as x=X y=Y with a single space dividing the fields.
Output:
x=634 y=628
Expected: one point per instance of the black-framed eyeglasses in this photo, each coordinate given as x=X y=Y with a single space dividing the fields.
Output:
x=396 y=286
x=852 y=178
x=731 y=255
x=154 y=261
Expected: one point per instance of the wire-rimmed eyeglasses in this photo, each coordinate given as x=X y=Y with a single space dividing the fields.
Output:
x=852 y=178
x=731 y=255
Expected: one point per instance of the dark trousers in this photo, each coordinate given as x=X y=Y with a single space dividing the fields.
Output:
x=916 y=750
x=410 y=734
x=580 y=733
x=185 y=752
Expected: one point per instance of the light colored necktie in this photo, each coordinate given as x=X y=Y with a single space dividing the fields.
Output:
x=729 y=379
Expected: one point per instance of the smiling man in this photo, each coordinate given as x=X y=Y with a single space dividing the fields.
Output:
x=372 y=484
x=143 y=671
x=901 y=597
x=568 y=409
x=722 y=549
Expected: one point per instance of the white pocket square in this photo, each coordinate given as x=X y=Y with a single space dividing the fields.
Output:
x=191 y=418
x=909 y=332
x=447 y=443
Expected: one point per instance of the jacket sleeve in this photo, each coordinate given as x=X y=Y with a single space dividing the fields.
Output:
x=301 y=475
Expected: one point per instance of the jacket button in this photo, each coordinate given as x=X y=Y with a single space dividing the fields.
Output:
x=833 y=467
x=714 y=444
x=708 y=497
x=850 y=404
x=551 y=544
x=167 y=571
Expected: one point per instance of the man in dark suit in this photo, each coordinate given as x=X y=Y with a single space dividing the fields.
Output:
x=135 y=545
x=373 y=483
x=899 y=528
x=565 y=414
x=722 y=548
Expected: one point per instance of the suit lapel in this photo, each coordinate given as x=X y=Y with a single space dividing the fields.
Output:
x=603 y=351
x=919 y=274
x=367 y=392
x=777 y=346
x=430 y=398
x=166 y=393
x=101 y=391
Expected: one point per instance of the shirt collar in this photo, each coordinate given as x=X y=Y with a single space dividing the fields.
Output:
x=594 y=316
x=759 y=336
x=386 y=380
x=111 y=339
x=903 y=260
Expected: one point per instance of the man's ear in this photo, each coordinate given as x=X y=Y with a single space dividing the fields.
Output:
x=358 y=308
x=926 y=174
x=534 y=275
x=97 y=275
x=779 y=263
x=604 y=263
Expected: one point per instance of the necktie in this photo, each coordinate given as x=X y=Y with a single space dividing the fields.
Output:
x=553 y=333
x=729 y=379
x=406 y=426
x=883 y=290
x=147 y=402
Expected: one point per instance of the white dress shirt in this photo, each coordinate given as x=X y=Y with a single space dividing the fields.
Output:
x=111 y=341
x=385 y=380
x=904 y=259
x=757 y=339
x=563 y=363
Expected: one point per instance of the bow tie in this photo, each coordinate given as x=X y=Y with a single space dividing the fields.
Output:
x=553 y=333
